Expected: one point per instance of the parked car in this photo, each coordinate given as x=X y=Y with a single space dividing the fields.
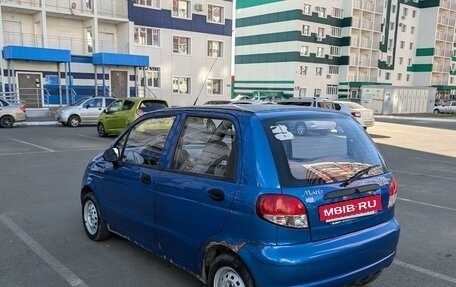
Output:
x=124 y=111
x=446 y=108
x=84 y=111
x=363 y=115
x=309 y=102
x=11 y=113
x=249 y=204
x=218 y=102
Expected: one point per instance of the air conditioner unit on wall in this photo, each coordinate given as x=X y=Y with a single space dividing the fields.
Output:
x=199 y=7
x=328 y=76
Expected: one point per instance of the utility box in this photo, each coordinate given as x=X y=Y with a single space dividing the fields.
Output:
x=385 y=99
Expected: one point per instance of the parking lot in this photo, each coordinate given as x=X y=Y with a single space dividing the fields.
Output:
x=42 y=241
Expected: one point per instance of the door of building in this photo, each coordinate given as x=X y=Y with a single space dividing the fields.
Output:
x=29 y=88
x=119 y=83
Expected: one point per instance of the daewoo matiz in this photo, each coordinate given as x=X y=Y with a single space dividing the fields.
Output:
x=250 y=203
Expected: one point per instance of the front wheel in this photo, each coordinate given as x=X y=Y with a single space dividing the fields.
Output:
x=7 y=122
x=74 y=121
x=94 y=224
x=436 y=111
x=228 y=270
x=101 y=130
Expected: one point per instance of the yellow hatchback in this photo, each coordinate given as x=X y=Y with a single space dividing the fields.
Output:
x=124 y=111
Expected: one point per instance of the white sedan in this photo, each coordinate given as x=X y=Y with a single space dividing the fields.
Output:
x=363 y=115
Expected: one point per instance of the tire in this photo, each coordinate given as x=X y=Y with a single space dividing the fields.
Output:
x=436 y=111
x=369 y=279
x=101 y=130
x=7 y=122
x=301 y=128
x=92 y=219
x=228 y=270
x=74 y=121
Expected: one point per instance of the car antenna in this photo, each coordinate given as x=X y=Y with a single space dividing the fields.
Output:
x=205 y=81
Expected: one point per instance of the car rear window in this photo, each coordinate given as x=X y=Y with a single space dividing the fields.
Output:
x=149 y=106
x=332 y=148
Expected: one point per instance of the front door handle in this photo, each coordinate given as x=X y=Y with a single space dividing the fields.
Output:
x=216 y=194
x=145 y=178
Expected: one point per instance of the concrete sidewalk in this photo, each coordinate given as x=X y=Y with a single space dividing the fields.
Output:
x=39 y=121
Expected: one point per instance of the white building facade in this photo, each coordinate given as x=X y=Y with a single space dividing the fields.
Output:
x=331 y=48
x=54 y=52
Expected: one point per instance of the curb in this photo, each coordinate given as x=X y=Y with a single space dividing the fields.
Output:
x=37 y=123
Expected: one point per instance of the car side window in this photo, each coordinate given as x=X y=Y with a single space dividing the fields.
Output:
x=97 y=103
x=115 y=107
x=143 y=145
x=108 y=101
x=207 y=152
x=337 y=106
x=127 y=105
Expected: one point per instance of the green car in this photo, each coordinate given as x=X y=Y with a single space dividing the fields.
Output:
x=124 y=111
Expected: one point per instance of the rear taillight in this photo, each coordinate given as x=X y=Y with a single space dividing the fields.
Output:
x=283 y=210
x=392 y=193
x=22 y=108
x=139 y=112
x=356 y=114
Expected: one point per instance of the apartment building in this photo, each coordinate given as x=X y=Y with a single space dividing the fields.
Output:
x=56 y=51
x=331 y=48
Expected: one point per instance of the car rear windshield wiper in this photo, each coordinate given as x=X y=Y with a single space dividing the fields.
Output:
x=357 y=175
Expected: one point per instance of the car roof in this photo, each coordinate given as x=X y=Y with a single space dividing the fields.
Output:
x=136 y=99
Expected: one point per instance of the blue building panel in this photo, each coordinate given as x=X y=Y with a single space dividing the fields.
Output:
x=163 y=19
x=36 y=54
x=120 y=59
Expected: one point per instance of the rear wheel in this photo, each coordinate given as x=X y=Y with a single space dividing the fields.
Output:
x=74 y=121
x=7 y=122
x=228 y=270
x=436 y=111
x=94 y=225
x=101 y=130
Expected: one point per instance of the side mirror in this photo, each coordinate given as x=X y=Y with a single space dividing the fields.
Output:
x=105 y=111
x=111 y=154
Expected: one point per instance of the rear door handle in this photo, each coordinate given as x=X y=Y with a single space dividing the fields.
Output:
x=145 y=178
x=216 y=194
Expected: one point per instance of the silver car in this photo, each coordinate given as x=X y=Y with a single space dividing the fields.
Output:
x=85 y=111
x=11 y=113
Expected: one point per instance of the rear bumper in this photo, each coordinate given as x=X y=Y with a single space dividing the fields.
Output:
x=338 y=261
x=20 y=117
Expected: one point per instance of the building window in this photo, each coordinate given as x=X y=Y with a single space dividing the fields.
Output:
x=407 y=77
x=404 y=28
x=181 y=45
x=331 y=89
x=181 y=8
x=393 y=9
x=303 y=70
x=401 y=60
x=390 y=43
x=402 y=44
x=389 y=60
x=334 y=51
x=215 y=14
x=306 y=30
x=409 y=62
x=89 y=39
x=399 y=76
x=412 y=30
x=320 y=52
x=405 y=11
x=321 y=32
x=181 y=85
x=317 y=92
x=152 y=78
x=392 y=26
x=88 y=4
x=148 y=3
x=336 y=32
x=411 y=46
x=306 y=9
x=414 y=13
x=321 y=11
x=147 y=36
x=215 y=49
x=387 y=75
x=337 y=12
x=334 y=70
x=318 y=71
x=302 y=92
x=304 y=51
x=214 y=86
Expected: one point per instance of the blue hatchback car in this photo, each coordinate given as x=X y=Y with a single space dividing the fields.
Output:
x=248 y=203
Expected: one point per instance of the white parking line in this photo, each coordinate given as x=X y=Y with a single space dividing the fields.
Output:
x=427 y=204
x=35 y=145
x=425 y=271
x=423 y=174
x=97 y=138
x=39 y=250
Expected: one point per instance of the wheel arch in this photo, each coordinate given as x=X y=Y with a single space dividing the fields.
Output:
x=215 y=249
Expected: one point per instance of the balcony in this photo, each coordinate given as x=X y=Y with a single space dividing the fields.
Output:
x=21 y=6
